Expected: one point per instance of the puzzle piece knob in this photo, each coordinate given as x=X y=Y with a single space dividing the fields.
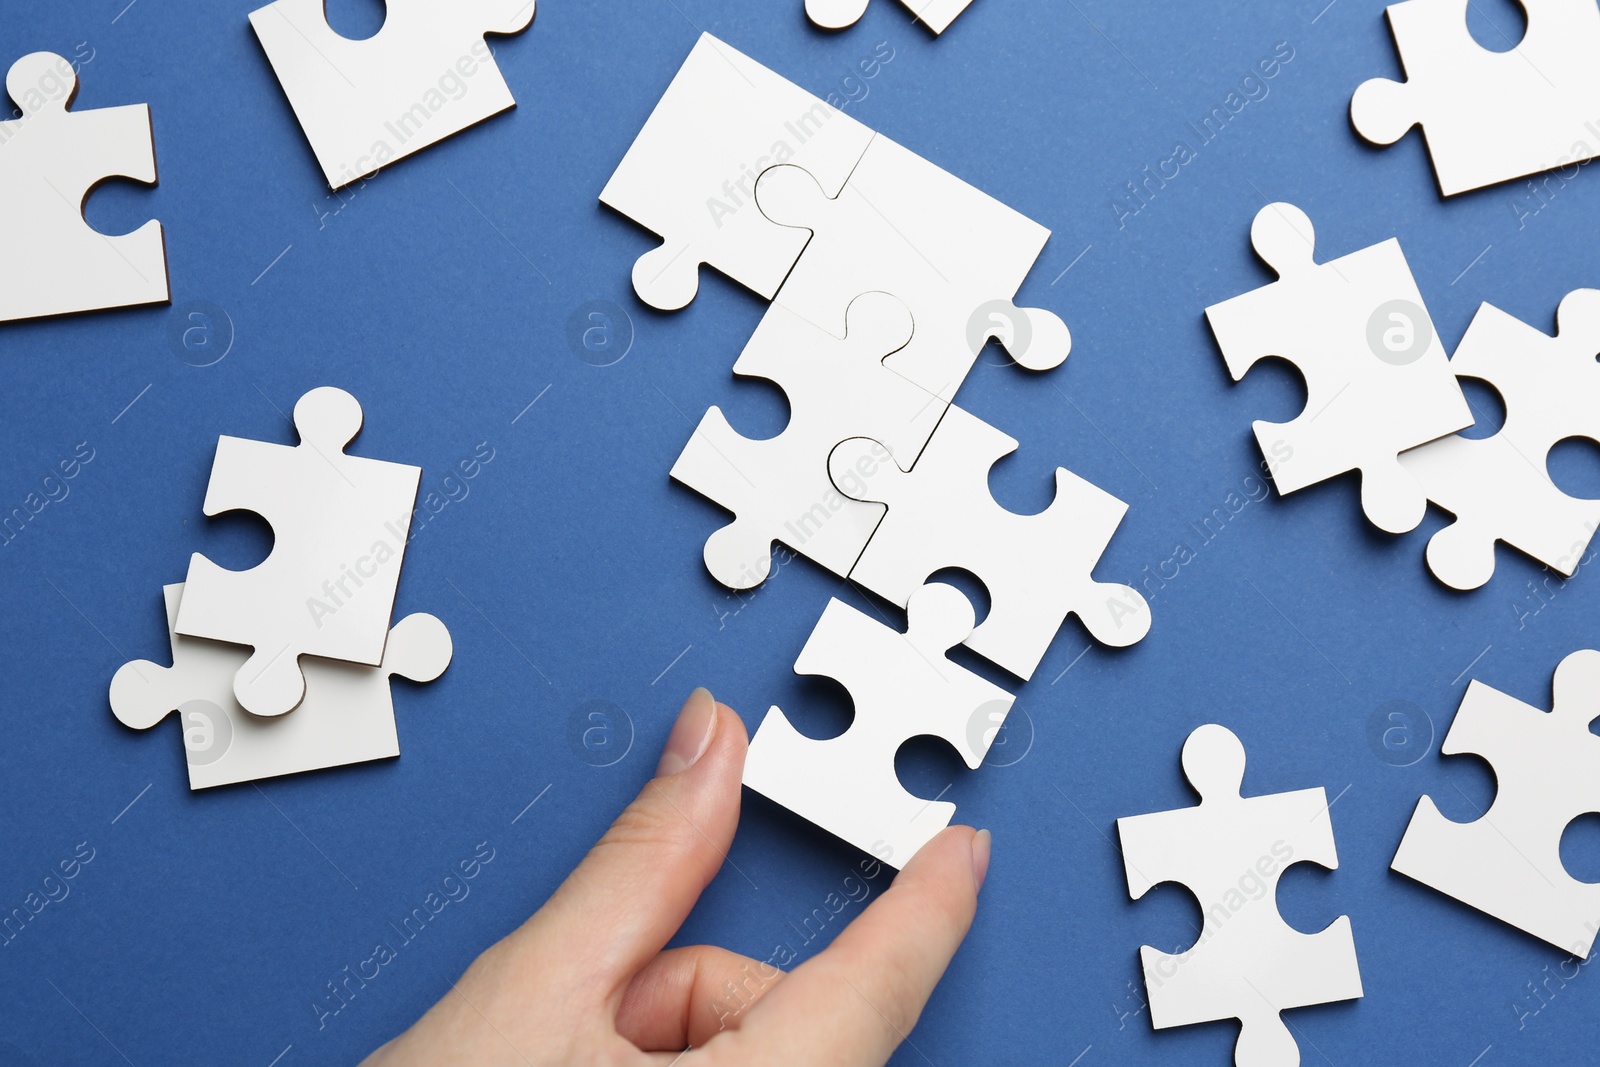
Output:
x=328 y=418
x=835 y=14
x=1284 y=238
x=40 y=80
x=1378 y=113
x=1213 y=761
x=1264 y=1041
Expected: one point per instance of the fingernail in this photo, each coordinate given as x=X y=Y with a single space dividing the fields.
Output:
x=691 y=734
x=982 y=842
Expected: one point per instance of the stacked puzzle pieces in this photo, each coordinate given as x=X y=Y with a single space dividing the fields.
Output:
x=887 y=277
x=250 y=706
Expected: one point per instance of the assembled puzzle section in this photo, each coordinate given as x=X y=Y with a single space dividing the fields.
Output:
x=1507 y=863
x=51 y=159
x=903 y=686
x=347 y=715
x=1038 y=569
x=1488 y=116
x=1377 y=379
x=690 y=175
x=340 y=525
x=426 y=75
x=937 y=15
x=1248 y=964
x=779 y=489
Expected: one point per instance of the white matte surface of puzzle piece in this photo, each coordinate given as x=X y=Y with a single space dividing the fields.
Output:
x=937 y=15
x=1547 y=772
x=426 y=75
x=779 y=489
x=903 y=686
x=1488 y=116
x=953 y=254
x=347 y=716
x=690 y=175
x=1248 y=964
x=339 y=525
x=1377 y=378
x=53 y=262
x=1038 y=569
x=1499 y=488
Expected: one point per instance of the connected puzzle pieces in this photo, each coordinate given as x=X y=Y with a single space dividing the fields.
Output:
x=1489 y=116
x=340 y=525
x=1377 y=379
x=1546 y=766
x=1498 y=487
x=51 y=158
x=426 y=75
x=1248 y=964
x=937 y=15
x=347 y=715
x=903 y=686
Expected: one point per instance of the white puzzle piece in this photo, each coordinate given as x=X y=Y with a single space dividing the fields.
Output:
x=51 y=158
x=1488 y=116
x=1377 y=378
x=426 y=75
x=1499 y=488
x=1547 y=772
x=779 y=488
x=327 y=588
x=937 y=15
x=903 y=686
x=347 y=716
x=1038 y=569
x=953 y=254
x=1248 y=964
x=690 y=175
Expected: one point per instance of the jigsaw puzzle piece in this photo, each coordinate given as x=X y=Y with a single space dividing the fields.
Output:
x=1499 y=488
x=1377 y=378
x=955 y=255
x=1037 y=568
x=1547 y=772
x=690 y=175
x=50 y=160
x=779 y=488
x=1488 y=116
x=347 y=716
x=937 y=15
x=1230 y=851
x=903 y=686
x=426 y=75
x=340 y=525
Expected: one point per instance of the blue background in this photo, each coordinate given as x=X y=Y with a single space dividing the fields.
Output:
x=569 y=573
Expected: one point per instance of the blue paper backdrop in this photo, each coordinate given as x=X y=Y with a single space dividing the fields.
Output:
x=205 y=926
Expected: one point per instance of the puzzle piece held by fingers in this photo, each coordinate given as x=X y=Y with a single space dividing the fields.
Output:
x=1499 y=488
x=347 y=716
x=340 y=525
x=953 y=254
x=426 y=75
x=1248 y=964
x=937 y=15
x=1547 y=772
x=690 y=174
x=1038 y=569
x=903 y=686
x=1488 y=116
x=51 y=158
x=1377 y=379
x=779 y=488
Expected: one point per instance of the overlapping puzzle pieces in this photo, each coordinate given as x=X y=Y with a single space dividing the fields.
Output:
x=779 y=488
x=1489 y=116
x=937 y=15
x=53 y=263
x=1498 y=487
x=1546 y=766
x=1377 y=379
x=425 y=76
x=1248 y=964
x=1037 y=568
x=340 y=525
x=347 y=715
x=903 y=686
